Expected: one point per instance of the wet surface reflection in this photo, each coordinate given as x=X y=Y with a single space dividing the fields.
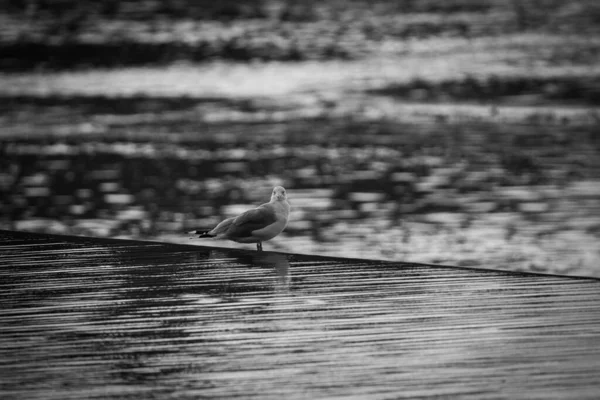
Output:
x=87 y=318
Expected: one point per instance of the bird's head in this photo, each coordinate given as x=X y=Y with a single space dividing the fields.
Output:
x=279 y=194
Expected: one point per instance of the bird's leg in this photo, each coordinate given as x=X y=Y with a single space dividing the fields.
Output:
x=259 y=246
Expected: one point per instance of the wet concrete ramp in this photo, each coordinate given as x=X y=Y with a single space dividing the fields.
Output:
x=88 y=318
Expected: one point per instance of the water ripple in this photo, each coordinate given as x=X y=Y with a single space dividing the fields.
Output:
x=114 y=319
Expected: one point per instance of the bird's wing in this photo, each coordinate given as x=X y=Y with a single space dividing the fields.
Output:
x=251 y=220
x=261 y=217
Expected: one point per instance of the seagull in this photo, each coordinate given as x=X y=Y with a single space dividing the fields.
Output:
x=254 y=226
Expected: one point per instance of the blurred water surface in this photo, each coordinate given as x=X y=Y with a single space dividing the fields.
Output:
x=425 y=188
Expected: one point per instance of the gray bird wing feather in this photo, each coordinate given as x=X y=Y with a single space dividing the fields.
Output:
x=258 y=218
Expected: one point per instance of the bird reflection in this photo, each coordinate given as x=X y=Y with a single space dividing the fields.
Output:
x=280 y=265
x=276 y=262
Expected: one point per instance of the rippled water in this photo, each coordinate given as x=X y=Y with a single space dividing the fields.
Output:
x=87 y=318
x=475 y=193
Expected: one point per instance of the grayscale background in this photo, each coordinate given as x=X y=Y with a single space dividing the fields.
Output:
x=457 y=132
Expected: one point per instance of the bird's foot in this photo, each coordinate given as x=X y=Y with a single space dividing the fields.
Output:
x=259 y=246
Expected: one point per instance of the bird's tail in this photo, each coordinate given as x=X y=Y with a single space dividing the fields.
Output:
x=201 y=234
x=218 y=231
